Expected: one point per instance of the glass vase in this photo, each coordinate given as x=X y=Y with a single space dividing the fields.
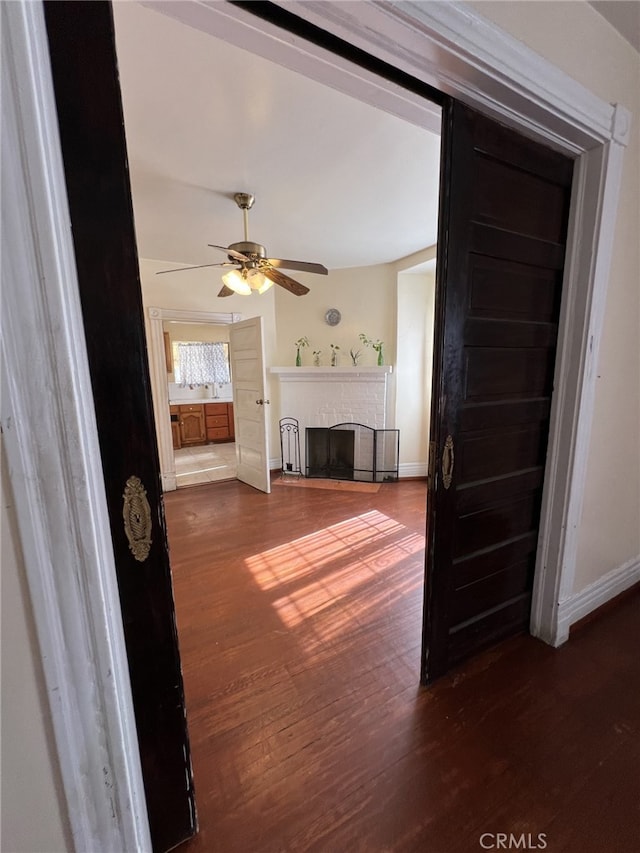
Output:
x=298 y=358
x=380 y=357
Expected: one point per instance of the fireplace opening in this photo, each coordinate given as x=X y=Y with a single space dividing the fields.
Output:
x=330 y=454
x=352 y=452
x=341 y=447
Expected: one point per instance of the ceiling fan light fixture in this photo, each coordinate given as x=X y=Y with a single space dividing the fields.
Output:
x=235 y=281
x=266 y=285
x=256 y=280
x=250 y=260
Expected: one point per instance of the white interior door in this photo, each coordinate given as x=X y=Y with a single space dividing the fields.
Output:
x=250 y=406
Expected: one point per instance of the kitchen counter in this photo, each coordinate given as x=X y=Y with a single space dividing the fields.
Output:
x=201 y=401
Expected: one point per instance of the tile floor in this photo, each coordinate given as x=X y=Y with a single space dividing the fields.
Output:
x=206 y=463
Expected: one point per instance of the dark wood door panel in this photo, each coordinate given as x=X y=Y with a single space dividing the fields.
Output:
x=497 y=489
x=501 y=143
x=493 y=373
x=541 y=217
x=503 y=413
x=467 y=570
x=498 y=302
x=503 y=289
x=485 y=332
x=497 y=243
x=489 y=527
x=504 y=620
x=86 y=86
x=505 y=585
x=501 y=452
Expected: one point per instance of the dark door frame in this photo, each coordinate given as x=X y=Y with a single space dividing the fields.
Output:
x=40 y=251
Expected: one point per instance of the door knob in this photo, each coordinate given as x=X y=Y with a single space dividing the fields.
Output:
x=262 y=402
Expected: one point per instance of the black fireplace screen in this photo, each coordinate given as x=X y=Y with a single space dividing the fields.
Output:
x=352 y=452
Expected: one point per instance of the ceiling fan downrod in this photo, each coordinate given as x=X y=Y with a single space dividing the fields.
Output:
x=246 y=247
x=245 y=203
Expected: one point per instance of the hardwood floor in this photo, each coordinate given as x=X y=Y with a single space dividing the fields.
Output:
x=299 y=618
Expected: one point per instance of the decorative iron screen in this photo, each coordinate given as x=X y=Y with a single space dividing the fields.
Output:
x=352 y=451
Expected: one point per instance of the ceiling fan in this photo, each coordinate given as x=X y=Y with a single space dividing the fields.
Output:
x=251 y=269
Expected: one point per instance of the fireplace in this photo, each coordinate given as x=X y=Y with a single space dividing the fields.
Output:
x=352 y=452
x=330 y=453
x=325 y=396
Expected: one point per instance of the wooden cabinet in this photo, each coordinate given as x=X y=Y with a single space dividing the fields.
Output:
x=232 y=428
x=187 y=425
x=219 y=421
x=192 y=429
x=198 y=423
x=175 y=432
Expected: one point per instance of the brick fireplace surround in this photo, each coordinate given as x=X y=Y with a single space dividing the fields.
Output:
x=325 y=396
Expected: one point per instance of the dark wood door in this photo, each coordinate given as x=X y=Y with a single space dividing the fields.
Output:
x=504 y=212
x=81 y=42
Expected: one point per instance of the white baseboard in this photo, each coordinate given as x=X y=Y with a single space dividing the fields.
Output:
x=169 y=482
x=405 y=469
x=571 y=610
x=412 y=469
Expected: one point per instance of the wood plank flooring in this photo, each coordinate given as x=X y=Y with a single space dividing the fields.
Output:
x=299 y=617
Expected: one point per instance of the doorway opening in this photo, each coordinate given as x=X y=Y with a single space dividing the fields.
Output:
x=200 y=391
x=385 y=573
x=367 y=289
x=209 y=453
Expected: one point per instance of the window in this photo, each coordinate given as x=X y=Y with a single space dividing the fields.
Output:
x=199 y=363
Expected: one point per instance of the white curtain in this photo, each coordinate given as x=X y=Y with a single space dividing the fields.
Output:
x=202 y=364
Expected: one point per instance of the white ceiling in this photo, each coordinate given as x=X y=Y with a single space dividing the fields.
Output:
x=336 y=181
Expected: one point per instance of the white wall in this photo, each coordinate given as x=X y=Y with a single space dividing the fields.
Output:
x=366 y=298
x=197 y=290
x=416 y=293
x=598 y=57
x=209 y=332
x=33 y=818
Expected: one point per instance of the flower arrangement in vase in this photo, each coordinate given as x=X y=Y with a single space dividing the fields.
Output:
x=316 y=357
x=334 y=354
x=355 y=356
x=300 y=344
x=376 y=345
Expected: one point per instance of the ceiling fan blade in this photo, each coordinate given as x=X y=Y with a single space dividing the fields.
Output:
x=302 y=266
x=225 y=291
x=285 y=281
x=198 y=267
x=231 y=252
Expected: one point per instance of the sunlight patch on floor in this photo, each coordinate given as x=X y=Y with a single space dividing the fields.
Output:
x=291 y=561
x=338 y=576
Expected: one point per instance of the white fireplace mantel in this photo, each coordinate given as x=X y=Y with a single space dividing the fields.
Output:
x=344 y=374
x=326 y=396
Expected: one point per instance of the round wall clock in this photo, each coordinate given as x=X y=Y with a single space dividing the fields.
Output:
x=333 y=317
